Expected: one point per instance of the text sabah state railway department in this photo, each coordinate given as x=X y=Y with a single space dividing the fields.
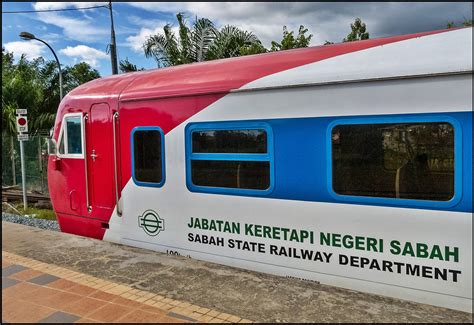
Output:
x=418 y=250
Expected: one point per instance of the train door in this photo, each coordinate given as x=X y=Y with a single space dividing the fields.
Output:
x=66 y=168
x=100 y=163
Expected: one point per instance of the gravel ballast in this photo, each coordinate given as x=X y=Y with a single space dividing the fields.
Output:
x=31 y=221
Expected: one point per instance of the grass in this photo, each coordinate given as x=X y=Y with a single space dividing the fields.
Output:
x=39 y=213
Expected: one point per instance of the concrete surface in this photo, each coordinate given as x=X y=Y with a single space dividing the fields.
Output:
x=252 y=295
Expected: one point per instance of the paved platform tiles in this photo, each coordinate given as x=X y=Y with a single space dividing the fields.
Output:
x=37 y=292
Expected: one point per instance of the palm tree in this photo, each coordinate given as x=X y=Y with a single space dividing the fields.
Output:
x=126 y=66
x=20 y=89
x=191 y=46
x=201 y=42
x=231 y=41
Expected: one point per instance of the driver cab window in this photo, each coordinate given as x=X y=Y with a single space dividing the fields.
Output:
x=70 y=141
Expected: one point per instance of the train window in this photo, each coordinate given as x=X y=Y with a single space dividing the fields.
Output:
x=396 y=160
x=74 y=135
x=70 y=137
x=148 y=156
x=229 y=157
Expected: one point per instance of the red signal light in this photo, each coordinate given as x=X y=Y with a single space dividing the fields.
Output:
x=22 y=121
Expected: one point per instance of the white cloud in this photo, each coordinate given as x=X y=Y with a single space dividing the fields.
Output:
x=51 y=38
x=172 y=7
x=325 y=20
x=83 y=29
x=85 y=53
x=31 y=49
x=63 y=5
x=265 y=20
x=135 y=42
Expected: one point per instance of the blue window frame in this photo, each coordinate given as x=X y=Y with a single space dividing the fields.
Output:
x=148 y=156
x=230 y=158
x=404 y=202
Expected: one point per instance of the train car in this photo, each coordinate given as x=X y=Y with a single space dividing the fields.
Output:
x=348 y=164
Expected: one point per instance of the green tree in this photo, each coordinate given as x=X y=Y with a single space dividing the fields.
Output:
x=48 y=76
x=34 y=85
x=191 y=46
x=20 y=89
x=254 y=48
x=79 y=74
x=126 y=66
x=200 y=42
x=358 y=32
x=231 y=41
x=467 y=22
x=290 y=42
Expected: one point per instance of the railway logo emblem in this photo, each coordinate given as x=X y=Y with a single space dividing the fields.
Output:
x=151 y=223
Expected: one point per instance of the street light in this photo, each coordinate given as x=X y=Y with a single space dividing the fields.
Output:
x=29 y=36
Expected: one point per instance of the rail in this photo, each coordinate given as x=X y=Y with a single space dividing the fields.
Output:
x=10 y=195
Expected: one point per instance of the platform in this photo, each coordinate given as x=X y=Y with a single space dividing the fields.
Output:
x=55 y=277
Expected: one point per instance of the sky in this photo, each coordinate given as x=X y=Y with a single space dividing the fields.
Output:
x=84 y=35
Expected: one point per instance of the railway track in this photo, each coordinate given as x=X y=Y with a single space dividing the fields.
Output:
x=13 y=195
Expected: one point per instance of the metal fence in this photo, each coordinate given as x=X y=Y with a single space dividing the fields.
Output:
x=36 y=162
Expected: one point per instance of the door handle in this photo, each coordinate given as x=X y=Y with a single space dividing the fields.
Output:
x=93 y=155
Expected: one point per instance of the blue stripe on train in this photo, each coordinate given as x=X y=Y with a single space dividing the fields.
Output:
x=302 y=168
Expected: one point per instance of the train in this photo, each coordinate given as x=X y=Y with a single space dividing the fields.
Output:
x=348 y=164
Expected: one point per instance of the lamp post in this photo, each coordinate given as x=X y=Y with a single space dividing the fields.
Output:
x=29 y=36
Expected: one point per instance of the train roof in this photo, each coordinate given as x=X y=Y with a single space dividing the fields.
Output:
x=427 y=53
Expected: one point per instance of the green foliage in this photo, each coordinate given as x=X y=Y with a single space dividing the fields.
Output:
x=47 y=214
x=200 y=42
x=254 y=48
x=34 y=85
x=126 y=66
x=290 y=42
x=20 y=89
x=79 y=74
x=231 y=41
x=358 y=32
x=191 y=46
x=465 y=23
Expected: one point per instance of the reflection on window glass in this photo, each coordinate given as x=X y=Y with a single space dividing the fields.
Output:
x=61 y=144
x=405 y=160
x=231 y=174
x=220 y=162
x=147 y=156
x=74 y=141
x=230 y=141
